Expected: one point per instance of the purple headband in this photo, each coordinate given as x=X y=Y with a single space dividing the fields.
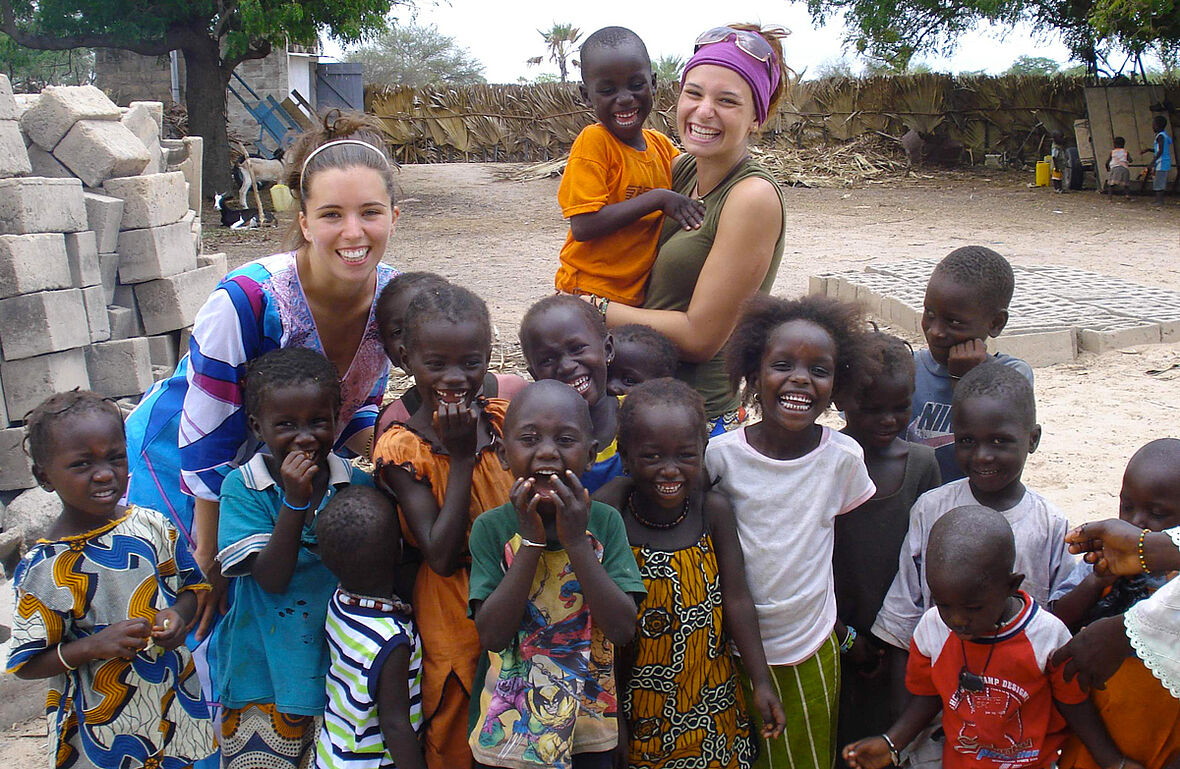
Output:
x=762 y=77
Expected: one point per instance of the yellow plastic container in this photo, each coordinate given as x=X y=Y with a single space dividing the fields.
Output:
x=280 y=197
x=1042 y=174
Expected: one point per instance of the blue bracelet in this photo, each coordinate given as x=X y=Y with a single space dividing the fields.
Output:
x=289 y=506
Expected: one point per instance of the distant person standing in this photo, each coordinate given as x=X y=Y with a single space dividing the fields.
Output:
x=1161 y=162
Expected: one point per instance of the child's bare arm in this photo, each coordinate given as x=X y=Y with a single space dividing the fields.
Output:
x=122 y=639
x=499 y=616
x=737 y=608
x=393 y=711
x=1084 y=721
x=874 y=753
x=613 y=610
x=1071 y=608
x=275 y=563
x=611 y=218
x=170 y=625
x=440 y=533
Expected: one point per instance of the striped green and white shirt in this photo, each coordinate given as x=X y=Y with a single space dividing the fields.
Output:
x=361 y=634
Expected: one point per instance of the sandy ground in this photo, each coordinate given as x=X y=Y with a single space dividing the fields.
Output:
x=501 y=238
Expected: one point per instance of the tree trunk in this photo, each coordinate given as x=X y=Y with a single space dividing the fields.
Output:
x=205 y=100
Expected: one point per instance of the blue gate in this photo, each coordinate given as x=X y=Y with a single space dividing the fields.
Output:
x=339 y=85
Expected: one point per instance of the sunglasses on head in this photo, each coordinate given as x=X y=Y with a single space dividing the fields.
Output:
x=751 y=43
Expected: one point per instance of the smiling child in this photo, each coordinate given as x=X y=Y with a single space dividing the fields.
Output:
x=615 y=187
x=553 y=591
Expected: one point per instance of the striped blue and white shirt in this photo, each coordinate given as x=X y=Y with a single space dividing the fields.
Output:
x=360 y=639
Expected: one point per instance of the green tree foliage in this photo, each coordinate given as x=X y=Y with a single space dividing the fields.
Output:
x=668 y=69
x=560 y=40
x=214 y=36
x=31 y=70
x=1033 y=65
x=416 y=56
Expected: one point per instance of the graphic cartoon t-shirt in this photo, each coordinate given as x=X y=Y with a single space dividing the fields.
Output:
x=997 y=693
x=551 y=692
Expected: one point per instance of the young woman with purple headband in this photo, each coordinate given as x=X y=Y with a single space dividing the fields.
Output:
x=700 y=278
x=189 y=431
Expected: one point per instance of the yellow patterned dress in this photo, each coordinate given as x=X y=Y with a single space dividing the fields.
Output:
x=143 y=712
x=683 y=701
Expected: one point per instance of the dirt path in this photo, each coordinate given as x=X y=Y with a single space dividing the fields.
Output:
x=501 y=239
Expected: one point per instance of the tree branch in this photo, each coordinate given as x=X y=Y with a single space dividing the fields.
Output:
x=225 y=11
x=258 y=49
x=8 y=25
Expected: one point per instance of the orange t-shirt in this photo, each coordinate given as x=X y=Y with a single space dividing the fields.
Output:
x=601 y=171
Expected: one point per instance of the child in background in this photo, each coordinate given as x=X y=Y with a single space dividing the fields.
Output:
x=868 y=539
x=615 y=187
x=1161 y=158
x=553 y=587
x=1143 y=718
x=1059 y=157
x=395 y=298
x=271 y=649
x=374 y=707
x=982 y=657
x=681 y=690
x=1118 y=166
x=966 y=302
x=641 y=353
x=788 y=479
x=564 y=338
x=442 y=468
x=103 y=603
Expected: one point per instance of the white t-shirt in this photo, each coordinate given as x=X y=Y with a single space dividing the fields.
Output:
x=1041 y=556
x=785 y=509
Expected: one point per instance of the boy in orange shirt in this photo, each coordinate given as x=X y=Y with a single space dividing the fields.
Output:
x=615 y=187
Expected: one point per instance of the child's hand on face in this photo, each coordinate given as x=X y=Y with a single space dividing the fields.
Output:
x=572 y=503
x=869 y=753
x=525 y=500
x=456 y=425
x=123 y=639
x=687 y=212
x=168 y=629
x=770 y=709
x=965 y=356
x=297 y=471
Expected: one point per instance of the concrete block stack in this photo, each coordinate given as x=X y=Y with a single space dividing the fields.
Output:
x=1056 y=312
x=101 y=270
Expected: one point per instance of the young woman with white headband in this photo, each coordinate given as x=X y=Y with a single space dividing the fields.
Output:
x=189 y=431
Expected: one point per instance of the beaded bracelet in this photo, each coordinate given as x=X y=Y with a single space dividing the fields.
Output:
x=1142 y=557
x=849 y=640
x=61 y=657
x=283 y=501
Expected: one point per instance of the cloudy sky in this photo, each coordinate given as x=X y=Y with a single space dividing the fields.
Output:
x=503 y=35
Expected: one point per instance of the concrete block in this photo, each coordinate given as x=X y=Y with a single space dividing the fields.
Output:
x=1116 y=337
x=33 y=512
x=125 y=297
x=29 y=381
x=8 y=110
x=123 y=322
x=31 y=263
x=120 y=368
x=155 y=252
x=36 y=204
x=901 y=316
x=152 y=200
x=186 y=336
x=192 y=170
x=25 y=102
x=1170 y=331
x=139 y=120
x=172 y=303
x=4 y=420
x=164 y=350
x=845 y=290
x=108 y=266
x=817 y=285
x=104 y=215
x=14 y=158
x=82 y=253
x=43 y=163
x=16 y=469
x=96 y=150
x=94 y=300
x=222 y=262
x=1044 y=348
x=44 y=322
x=53 y=115
x=154 y=110
x=195 y=228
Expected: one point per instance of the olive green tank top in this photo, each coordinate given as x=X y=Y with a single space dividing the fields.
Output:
x=678 y=265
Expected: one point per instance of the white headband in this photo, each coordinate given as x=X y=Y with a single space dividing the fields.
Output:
x=337 y=143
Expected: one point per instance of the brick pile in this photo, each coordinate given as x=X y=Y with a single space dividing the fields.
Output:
x=1056 y=311
x=101 y=268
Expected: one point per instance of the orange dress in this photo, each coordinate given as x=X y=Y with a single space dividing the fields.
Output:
x=450 y=644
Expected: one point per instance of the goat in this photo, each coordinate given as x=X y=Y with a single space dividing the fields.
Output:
x=256 y=171
x=235 y=219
